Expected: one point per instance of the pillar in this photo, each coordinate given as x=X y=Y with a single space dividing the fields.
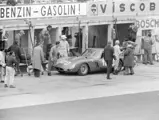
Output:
x=85 y=38
x=58 y=33
x=109 y=37
x=31 y=40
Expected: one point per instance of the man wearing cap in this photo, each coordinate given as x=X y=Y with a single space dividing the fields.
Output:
x=147 y=43
x=63 y=47
x=108 y=57
x=116 y=53
x=53 y=56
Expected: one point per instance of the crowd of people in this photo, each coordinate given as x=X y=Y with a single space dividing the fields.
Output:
x=127 y=50
x=9 y=63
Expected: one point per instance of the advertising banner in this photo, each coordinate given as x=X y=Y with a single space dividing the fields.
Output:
x=136 y=7
x=40 y=11
x=100 y=9
x=146 y=25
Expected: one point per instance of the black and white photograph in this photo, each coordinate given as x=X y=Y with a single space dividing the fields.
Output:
x=79 y=59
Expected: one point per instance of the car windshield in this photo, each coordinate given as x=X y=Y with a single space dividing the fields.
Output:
x=92 y=53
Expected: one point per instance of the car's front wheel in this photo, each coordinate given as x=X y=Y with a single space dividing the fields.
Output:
x=61 y=72
x=83 y=70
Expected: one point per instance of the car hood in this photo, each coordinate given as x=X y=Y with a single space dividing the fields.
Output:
x=73 y=59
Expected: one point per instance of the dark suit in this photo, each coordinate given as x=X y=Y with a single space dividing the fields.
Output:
x=108 y=57
x=17 y=51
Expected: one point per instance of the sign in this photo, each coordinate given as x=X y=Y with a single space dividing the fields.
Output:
x=41 y=11
x=100 y=9
x=146 y=25
x=136 y=7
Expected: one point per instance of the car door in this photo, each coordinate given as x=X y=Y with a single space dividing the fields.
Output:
x=102 y=63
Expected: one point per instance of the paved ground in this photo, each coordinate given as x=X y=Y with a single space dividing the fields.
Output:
x=143 y=106
x=60 y=88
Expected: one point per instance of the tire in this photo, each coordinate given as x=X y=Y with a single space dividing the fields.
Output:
x=61 y=72
x=83 y=70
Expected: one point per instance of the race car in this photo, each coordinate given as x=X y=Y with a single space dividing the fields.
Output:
x=91 y=60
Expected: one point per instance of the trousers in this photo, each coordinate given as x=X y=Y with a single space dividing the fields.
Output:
x=147 y=55
x=109 y=67
x=9 y=78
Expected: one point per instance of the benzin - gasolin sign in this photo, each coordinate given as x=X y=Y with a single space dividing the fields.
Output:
x=39 y=11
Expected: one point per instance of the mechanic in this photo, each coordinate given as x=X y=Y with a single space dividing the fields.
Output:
x=53 y=56
x=117 y=52
x=147 y=43
x=108 y=57
x=63 y=47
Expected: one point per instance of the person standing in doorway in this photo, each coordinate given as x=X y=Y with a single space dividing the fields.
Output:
x=117 y=53
x=108 y=57
x=10 y=72
x=38 y=59
x=18 y=37
x=147 y=43
x=53 y=56
x=16 y=49
x=63 y=47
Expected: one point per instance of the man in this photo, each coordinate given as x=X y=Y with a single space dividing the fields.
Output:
x=117 y=54
x=38 y=59
x=147 y=43
x=10 y=62
x=18 y=36
x=2 y=65
x=129 y=60
x=108 y=57
x=16 y=49
x=53 y=56
x=78 y=42
x=63 y=47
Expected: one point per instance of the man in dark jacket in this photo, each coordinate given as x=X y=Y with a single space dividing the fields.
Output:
x=108 y=57
x=129 y=60
x=16 y=49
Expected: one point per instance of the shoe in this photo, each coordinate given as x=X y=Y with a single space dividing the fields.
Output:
x=2 y=81
x=151 y=64
x=126 y=73
x=49 y=74
x=11 y=86
x=109 y=78
x=42 y=73
x=5 y=85
x=131 y=73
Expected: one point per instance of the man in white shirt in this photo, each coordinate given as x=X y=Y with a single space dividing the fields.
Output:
x=117 y=52
x=63 y=47
x=2 y=65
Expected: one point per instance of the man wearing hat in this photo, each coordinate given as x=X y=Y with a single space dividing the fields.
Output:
x=147 y=43
x=53 y=56
x=108 y=57
x=63 y=47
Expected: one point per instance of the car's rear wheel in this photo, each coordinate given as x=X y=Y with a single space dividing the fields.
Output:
x=83 y=70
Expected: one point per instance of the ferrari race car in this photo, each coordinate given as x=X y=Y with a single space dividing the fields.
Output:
x=91 y=60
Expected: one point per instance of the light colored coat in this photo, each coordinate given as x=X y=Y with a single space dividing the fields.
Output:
x=38 y=57
x=117 y=51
